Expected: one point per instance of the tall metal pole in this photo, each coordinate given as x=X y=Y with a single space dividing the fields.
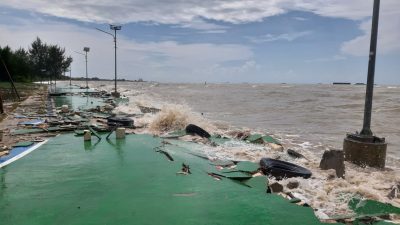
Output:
x=115 y=60
x=87 y=86
x=86 y=50
x=366 y=130
x=115 y=28
x=70 y=77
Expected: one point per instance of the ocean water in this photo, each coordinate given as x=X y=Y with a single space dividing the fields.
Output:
x=319 y=114
x=307 y=118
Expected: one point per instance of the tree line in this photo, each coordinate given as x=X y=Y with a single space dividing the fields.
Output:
x=40 y=62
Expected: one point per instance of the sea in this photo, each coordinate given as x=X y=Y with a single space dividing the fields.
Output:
x=308 y=118
x=319 y=114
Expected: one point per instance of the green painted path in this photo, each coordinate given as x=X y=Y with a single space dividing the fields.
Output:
x=67 y=181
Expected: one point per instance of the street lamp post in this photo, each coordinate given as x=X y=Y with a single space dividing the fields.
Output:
x=115 y=28
x=86 y=50
x=70 y=78
x=364 y=148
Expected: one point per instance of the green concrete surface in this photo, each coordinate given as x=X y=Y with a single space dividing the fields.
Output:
x=69 y=181
x=77 y=102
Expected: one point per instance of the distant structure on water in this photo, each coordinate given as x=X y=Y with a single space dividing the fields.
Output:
x=341 y=83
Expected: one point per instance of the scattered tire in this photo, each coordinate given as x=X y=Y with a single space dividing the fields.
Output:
x=281 y=169
x=195 y=130
x=120 y=121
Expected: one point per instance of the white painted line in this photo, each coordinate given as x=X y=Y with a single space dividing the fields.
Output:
x=22 y=154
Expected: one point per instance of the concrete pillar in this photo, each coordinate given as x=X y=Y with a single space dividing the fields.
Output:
x=120 y=133
x=87 y=135
x=363 y=153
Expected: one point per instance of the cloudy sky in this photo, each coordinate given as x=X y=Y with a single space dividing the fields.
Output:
x=272 y=41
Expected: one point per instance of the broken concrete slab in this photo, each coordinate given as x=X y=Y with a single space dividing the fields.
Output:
x=259 y=183
x=333 y=159
x=394 y=192
x=276 y=187
x=372 y=208
x=23 y=144
x=4 y=153
x=247 y=166
x=293 y=184
x=294 y=154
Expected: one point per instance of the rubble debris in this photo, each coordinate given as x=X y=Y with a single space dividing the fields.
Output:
x=186 y=168
x=294 y=154
x=175 y=134
x=366 y=208
x=246 y=166
x=275 y=147
x=236 y=175
x=259 y=183
x=242 y=135
x=2 y=153
x=394 y=193
x=275 y=187
x=145 y=109
x=32 y=122
x=261 y=139
x=169 y=157
x=333 y=159
x=295 y=200
x=108 y=107
x=222 y=163
x=293 y=184
x=23 y=144
x=64 y=109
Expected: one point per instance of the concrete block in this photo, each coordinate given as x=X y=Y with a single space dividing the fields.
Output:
x=333 y=159
x=120 y=133
x=87 y=135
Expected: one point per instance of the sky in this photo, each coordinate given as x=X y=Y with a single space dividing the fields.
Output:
x=254 y=41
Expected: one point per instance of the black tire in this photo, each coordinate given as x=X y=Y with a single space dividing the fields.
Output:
x=120 y=121
x=281 y=169
x=195 y=130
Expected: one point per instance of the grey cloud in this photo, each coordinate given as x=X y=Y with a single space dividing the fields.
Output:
x=181 y=12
